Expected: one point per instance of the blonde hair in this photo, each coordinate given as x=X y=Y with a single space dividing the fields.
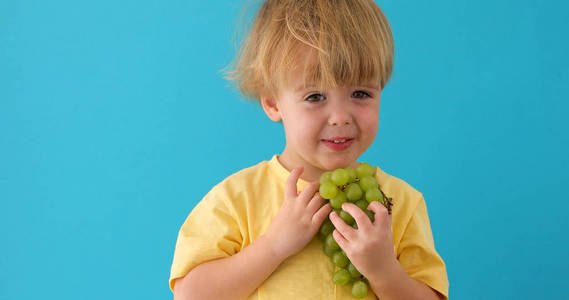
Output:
x=348 y=41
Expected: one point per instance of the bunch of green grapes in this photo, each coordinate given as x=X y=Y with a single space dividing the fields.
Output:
x=359 y=187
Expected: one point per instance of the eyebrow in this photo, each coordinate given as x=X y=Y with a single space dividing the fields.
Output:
x=303 y=87
x=372 y=86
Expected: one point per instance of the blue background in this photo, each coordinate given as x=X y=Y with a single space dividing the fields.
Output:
x=115 y=120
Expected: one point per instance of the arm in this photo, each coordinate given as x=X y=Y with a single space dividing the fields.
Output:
x=370 y=249
x=402 y=286
x=237 y=276
x=234 y=277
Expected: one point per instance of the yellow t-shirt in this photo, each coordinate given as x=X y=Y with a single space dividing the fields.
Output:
x=240 y=209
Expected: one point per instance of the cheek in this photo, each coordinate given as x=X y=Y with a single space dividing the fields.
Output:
x=301 y=129
x=370 y=124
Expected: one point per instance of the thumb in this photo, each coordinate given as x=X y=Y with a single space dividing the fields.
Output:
x=380 y=212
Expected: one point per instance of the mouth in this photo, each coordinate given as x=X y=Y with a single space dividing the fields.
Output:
x=339 y=143
x=338 y=139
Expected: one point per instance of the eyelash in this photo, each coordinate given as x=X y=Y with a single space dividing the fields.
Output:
x=365 y=95
x=313 y=95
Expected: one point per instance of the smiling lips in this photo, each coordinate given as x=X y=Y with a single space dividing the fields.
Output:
x=338 y=143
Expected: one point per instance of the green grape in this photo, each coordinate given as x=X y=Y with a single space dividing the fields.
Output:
x=370 y=214
x=353 y=192
x=364 y=170
x=353 y=271
x=340 y=259
x=328 y=190
x=351 y=175
x=367 y=183
x=360 y=187
x=329 y=252
x=373 y=195
x=340 y=177
x=347 y=217
x=326 y=228
x=341 y=277
x=362 y=204
x=337 y=201
x=359 y=289
x=326 y=176
x=331 y=243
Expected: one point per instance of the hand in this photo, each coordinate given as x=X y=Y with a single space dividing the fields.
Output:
x=299 y=218
x=370 y=247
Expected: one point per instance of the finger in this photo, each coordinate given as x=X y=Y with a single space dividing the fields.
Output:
x=319 y=217
x=341 y=240
x=380 y=212
x=290 y=186
x=315 y=203
x=309 y=192
x=359 y=215
x=346 y=230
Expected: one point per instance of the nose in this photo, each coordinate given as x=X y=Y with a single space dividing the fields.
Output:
x=339 y=115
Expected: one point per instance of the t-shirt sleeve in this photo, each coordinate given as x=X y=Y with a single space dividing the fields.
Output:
x=417 y=252
x=210 y=232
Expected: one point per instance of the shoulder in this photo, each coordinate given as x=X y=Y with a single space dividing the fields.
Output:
x=396 y=186
x=231 y=195
x=404 y=196
x=242 y=183
x=245 y=177
x=408 y=212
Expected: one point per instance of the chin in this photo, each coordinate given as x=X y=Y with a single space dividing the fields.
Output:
x=338 y=162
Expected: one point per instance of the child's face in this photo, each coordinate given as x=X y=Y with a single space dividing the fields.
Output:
x=314 y=118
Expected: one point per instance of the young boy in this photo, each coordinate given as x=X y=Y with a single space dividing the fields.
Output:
x=317 y=66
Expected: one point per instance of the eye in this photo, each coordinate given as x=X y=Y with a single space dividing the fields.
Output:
x=315 y=98
x=360 y=94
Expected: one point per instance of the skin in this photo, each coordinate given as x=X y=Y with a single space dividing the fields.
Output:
x=310 y=115
x=237 y=276
x=370 y=249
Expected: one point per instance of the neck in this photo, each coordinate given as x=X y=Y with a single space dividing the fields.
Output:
x=310 y=173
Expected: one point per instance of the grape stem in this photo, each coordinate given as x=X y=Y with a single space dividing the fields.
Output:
x=388 y=203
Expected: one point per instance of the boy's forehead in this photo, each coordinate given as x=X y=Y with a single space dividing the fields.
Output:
x=299 y=81
x=303 y=73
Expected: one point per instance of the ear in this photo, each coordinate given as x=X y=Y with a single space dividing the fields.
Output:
x=271 y=108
